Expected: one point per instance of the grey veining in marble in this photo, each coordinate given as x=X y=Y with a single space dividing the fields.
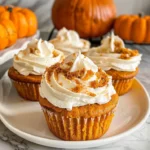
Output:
x=140 y=140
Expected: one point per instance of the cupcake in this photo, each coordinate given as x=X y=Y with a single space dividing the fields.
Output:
x=68 y=41
x=30 y=64
x=78 y=99
x=119 y=62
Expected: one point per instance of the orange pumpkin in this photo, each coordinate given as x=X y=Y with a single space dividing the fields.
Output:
x=8 y=33
x=90 y=18
x=24 y=19
x=133 y=28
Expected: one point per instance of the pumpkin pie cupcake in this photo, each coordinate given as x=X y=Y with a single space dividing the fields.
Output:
x=68 y=41
x=119 y=62
x=78 y=99
x=30 y=64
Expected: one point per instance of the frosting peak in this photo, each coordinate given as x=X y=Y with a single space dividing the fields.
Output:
x=40 y=48
x=77 y=81
x=79 y=62
x=71 y=36
x=69 y=42
x=111 y=43
x=36 y=57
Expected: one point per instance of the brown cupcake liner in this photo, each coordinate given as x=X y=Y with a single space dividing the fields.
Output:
x=75 y=129
x=122 y=86
x=28 y=91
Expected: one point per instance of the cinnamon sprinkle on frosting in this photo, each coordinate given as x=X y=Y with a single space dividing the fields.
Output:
x=103 y=80
x=118 y=45
x=50 y=70
x=32 y=50
x=55 y=54
x=71 y=75
x=88 y=75
x=78 y=78
x=70 y=64
x=91 y=94
x=77 y=89
x=127 y=53
x=77 y=83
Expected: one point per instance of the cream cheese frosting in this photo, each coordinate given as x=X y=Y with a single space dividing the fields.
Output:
x=76 y=82
x=36 y=57
x=109 y=56
x=69 y=42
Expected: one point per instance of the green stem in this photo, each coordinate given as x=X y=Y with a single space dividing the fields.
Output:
x=10 y=9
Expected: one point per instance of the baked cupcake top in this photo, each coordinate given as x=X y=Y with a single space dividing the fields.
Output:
x=36 y=57
x=77 y=81
x=112 y=54
x=69 y=42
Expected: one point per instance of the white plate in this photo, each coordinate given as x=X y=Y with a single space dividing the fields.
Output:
x=8 y=53
x=26 y=119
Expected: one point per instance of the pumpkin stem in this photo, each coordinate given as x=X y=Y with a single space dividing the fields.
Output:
x=141 y=14
x=10 y=9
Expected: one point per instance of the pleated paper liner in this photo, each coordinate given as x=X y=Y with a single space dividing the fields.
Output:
x=28 y=91
x=76 y=129
x=122 y=86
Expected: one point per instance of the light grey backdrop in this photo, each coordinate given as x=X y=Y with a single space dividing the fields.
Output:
x=42 y=8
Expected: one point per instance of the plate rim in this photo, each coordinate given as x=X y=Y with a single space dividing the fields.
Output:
x=82 y=144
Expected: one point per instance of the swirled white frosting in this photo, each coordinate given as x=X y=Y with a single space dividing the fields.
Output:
x=105 y=56
x=58 y=90
x=69 y=42
x=36 y=57
x=111 y=43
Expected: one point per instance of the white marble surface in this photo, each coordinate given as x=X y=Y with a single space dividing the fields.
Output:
x=140 y=140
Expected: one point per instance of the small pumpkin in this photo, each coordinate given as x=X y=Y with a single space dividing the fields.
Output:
x=8 y=33
x=134 y=28
x=24 y=19
x=90 y=18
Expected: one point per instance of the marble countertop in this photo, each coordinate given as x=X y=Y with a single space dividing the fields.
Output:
x=140 y=140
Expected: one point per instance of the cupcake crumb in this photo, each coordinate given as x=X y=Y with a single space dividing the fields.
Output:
x=127 y=53
x=88 y=75
x=91 y=94
x=77 y=89
x=55 y=54
x=102 y=80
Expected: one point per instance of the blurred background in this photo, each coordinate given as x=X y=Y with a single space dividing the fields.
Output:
x=42 y=8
